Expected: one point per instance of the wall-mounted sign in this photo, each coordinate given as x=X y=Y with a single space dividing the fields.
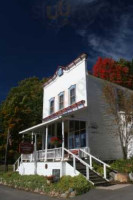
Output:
x=26 y=148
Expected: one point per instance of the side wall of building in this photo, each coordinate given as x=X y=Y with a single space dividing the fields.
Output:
x=103 y=141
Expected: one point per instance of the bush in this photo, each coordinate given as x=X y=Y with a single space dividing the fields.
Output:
x=123 y=166
x=77 y=183
x=39 y=183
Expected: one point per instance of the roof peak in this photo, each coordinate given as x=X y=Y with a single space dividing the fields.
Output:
x=67 y=67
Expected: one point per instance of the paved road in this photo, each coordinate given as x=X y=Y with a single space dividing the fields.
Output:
x=126 y=193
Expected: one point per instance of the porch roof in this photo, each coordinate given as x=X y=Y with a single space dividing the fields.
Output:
x=55 y=117
x=39 y=126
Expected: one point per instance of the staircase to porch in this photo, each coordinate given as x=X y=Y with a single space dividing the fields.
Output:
x=94 y=178
x=85 y=167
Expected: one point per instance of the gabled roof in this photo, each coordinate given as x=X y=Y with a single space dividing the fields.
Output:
x=74 y=62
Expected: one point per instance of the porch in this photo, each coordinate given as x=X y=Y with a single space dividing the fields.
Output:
x=71 y=132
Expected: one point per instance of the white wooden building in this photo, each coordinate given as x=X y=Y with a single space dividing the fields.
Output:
x=74 y=111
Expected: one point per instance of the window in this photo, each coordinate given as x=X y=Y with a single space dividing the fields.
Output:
x=72 y=93
x=77 y=134
x=51 y=105
x=61 y=100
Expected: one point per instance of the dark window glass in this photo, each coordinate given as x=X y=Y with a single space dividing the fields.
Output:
x=72 y=96
x=77 y=134
x=72 y=125
x=51 y=106
x=76 y=125
x=83 y=139
x=82 y=125
x=61 y=101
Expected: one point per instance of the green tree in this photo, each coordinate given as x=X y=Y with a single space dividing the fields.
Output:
x=21 y=109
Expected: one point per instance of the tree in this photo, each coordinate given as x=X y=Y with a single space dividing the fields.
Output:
x=120 y=106
x=21 y=109
x=119 y=72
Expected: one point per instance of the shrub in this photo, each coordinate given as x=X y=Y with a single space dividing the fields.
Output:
x=39 y=183
x=124 y=166
x=77 y=183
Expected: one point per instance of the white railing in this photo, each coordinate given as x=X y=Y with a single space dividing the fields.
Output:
x=91 y=158
x=52 y=154
x=80 y=160
x=17 y=164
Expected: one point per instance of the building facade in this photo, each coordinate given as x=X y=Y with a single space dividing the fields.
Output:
x=74 y=111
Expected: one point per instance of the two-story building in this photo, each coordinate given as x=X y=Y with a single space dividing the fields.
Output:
x=74 y=112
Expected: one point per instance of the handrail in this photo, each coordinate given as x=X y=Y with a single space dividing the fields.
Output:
x=17 y=162
x=105 y=165
x=94 y=158
x=84 y=163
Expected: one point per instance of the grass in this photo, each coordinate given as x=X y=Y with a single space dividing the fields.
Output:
x=37 y=183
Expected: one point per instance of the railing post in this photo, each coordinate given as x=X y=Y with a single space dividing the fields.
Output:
x=105 y=171
x=74 y=164
x=90 y=161
x=87 y=173
x=46 y=143
x=14 y=167
x=63 y=140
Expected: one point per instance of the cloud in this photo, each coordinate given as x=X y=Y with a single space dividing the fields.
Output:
x=109 y=34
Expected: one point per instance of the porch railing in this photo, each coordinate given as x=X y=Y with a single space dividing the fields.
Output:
x=52 y=154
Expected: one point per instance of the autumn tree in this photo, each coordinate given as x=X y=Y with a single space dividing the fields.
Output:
x=120 y=107
x=21 y=109
x=120 y=72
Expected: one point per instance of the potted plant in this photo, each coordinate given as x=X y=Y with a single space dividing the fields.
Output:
x=50 y=179
x=55 y=141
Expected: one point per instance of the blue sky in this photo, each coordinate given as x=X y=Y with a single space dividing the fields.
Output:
x=38 y=35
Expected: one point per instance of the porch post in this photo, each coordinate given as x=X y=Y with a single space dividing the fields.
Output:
x=62 y=140
x=46 y=143
x=87 y=137
x=32 y=136
x=35 y=154
x=43 y=141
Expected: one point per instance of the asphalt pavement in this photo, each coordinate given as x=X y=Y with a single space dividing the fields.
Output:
x=126 y=193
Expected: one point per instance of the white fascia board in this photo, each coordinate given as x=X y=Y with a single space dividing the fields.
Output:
x=39 y=126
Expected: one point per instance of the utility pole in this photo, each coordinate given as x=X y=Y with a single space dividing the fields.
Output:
x=6 y=151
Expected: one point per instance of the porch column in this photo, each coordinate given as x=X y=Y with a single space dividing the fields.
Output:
x=62 y=140
x=43 y=141
x=87 y=137
x=46 y=143
x=23 y=137
x=35 y=154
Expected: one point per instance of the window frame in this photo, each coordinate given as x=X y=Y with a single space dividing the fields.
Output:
x=59 y=102
x=71 y=88
x=51 y=100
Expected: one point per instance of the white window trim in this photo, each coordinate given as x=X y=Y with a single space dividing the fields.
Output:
x=52 y=99
x=60 y=94
x=70 y=88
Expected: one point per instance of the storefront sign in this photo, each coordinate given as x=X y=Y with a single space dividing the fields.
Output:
x=26 y=148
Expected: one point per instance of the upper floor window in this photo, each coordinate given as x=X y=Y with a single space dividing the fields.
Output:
x=72 y=93
x=61 y=100
x=51 y=105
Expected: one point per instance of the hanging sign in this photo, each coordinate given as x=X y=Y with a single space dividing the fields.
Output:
x=26 y=148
